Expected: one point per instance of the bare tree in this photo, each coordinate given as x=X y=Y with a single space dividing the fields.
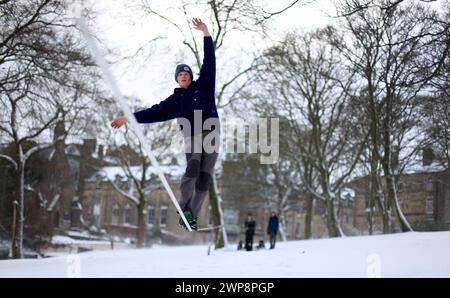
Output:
x=435 y=111
x=281 y=190
x=436 y=108
x=141 y=178
x=39 y=59
x=306 y=79
x=356 y=6
x=390 y=48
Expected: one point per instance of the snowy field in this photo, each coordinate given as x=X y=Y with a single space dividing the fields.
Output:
x=399 y=255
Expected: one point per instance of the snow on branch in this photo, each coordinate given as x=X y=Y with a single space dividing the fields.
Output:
x=42 y=201
x=41 y=147
x=128 y=195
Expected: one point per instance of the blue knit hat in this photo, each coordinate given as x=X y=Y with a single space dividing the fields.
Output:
x=183 y=67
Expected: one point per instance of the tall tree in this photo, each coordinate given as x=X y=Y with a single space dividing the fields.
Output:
x=306 y=81
x=389 y=48
x=40 y=59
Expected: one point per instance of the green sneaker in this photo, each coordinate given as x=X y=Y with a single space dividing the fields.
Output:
x=190 y=219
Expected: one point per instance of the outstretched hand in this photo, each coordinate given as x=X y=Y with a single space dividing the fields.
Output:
x=119 y=122
x=199 y=25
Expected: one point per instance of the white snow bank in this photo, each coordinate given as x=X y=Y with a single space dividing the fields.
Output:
x=64 y=240
x=397 y=255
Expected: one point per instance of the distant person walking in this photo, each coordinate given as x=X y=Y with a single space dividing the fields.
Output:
x=272 y=229
x=250 y=225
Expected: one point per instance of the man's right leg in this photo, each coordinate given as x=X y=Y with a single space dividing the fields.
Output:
x=189 y=179
x=193 y=159
x=187 y=190
x=204 y=180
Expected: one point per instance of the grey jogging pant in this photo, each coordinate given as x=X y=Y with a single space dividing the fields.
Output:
x=197 y=178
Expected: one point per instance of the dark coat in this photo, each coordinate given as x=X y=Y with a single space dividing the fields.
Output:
x=272 y=228
x=200 y=95
x=250 y=227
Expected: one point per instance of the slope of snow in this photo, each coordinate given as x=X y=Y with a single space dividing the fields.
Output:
x=399 y=255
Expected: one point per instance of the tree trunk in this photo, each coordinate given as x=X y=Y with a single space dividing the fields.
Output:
x=375 y=187
x=309 y=216
x=217 y=214
x=282 y=226
x=371 y=197
x=369 y=210
x=18 y=224
x=395 y=206
x=392 y=200
x=333 y=226
x=141 y=224
x=13 y=226
x=386 y=213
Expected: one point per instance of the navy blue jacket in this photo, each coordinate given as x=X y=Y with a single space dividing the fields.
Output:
x=273 y=225
x=200 y=95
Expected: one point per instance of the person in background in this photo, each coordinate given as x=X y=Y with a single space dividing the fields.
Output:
x=250 y=225
x=272 y=229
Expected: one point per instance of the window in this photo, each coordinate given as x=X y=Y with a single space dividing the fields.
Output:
x=400 y=187
x=56 y=219
x=287 y=229
x=163 y=216
x=430 y=206
x=96 y=214
x=115 y=214
x=151 y=215
x=346 y=216
x=98 y=181
x=430 y=184
x=127 y=219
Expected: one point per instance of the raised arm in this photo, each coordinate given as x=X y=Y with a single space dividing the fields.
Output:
x=208 y=70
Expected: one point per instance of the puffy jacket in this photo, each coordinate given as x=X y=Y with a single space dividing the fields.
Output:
x=200 y=96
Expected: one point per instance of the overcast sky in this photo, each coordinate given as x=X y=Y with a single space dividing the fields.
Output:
x=152 y=79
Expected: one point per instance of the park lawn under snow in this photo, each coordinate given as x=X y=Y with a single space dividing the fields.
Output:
x=397 y=255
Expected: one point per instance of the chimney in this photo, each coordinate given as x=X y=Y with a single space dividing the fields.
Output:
x=427 y=156
x=89 y=146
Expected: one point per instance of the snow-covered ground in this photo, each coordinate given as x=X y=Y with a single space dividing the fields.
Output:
x=398 y=255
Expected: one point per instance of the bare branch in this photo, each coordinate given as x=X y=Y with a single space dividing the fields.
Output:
x=9 y=159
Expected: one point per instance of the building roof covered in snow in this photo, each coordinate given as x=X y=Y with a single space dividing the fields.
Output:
x=112 y=172
x=418 y=167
